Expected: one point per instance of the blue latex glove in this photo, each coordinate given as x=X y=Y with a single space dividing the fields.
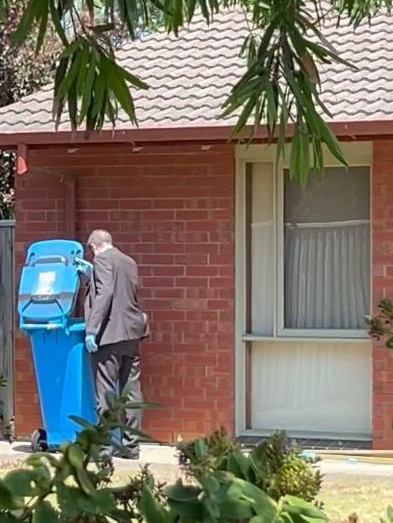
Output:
x=84 y=267
x=90 y=342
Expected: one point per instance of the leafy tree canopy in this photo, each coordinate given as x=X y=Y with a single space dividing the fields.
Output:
x=284 y=51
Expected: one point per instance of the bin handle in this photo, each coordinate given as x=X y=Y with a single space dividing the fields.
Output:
x=51 y=259
x=36 y=326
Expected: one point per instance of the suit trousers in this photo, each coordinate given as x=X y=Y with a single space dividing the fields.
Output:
x=115 y=366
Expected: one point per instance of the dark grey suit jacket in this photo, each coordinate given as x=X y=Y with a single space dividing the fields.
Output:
x=112 y=312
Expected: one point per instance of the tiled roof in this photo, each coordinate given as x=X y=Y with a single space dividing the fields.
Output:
x=190 y=77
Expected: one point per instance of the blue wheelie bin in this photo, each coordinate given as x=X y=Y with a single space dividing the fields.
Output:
x=48 y=291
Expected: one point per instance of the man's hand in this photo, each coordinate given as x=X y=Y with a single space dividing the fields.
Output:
x=90 y=342
x=84 y=267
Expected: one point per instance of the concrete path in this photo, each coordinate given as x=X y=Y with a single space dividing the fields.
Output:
x=163 y=459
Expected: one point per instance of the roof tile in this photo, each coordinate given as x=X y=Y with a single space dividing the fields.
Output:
x=190 y=77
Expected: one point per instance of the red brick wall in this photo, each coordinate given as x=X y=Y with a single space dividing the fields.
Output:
x=172 y=209
x=382 y=205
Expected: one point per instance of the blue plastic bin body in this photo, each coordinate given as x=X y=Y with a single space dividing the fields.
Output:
x=64 y=380
x=48 y=289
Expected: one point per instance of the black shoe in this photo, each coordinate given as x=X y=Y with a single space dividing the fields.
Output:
x=106 y=453
x=126 y=453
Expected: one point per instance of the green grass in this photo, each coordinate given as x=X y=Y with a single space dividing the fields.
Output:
x=367 y=497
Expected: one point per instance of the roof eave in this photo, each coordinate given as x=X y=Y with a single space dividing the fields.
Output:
x=350 y=130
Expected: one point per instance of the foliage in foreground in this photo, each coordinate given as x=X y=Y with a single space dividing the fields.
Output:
x=381 y=324
x=274 y=465
x=7 y=188
x=76 y=488
x=284 y=51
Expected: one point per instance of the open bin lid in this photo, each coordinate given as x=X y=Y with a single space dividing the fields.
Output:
x=49 y=282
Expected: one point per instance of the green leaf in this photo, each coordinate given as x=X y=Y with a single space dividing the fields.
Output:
x=98 y=95
x=180 y=492
x=200 y=448
x=117 y=83
x=22 y=482
x=139 y=84
x=105 y=501
x=64 y=87
x=271 y=96
x=76 y=501
x=42 y=26
x=142 y=436
x=65 y=470
x=75 y=456
x=30 y=14
x=192 y=510
x=125 y=16
x=88 y=91
x=57 y=22
x=82 y=422
x=261 y=519
x=110 y=397
x=73 y=106
x=295 y=164
x=60 y=74
x=83 y=68
x=73 y=47
x=84 y=481
x=44 y=513
x=151 y=509
x=38 y=458
x=239 y=465
x=236 y=509
x=296 y=505
x=4 y=4
x=66 y=498
x=209 y=483
x=9 y=500
x=260 y=501
x=331 y=142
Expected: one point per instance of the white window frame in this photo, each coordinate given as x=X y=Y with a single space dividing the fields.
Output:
x=358 y=154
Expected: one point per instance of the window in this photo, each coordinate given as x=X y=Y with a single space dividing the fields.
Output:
x=307 y=252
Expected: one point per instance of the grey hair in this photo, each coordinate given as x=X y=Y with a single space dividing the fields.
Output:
x=99 y=237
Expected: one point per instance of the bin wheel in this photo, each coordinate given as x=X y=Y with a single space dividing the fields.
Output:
x=38 y=441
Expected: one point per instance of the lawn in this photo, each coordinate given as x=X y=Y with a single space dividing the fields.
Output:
x=368 y=497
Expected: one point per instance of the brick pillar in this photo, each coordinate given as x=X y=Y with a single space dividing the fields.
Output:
x=382 y=285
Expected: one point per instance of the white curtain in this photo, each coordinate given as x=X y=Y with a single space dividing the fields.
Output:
x=327 y=275
x=312 y=387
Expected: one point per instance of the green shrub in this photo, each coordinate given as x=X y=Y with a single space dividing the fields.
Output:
x=209 y=453
x=129 y=496
x=295 y=477
x=274 y=466
x=282 y=471
x=381 y=324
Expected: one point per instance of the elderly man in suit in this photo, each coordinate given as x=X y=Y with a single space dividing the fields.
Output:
x=115 y=325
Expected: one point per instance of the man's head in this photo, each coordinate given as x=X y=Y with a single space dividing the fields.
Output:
x=99 y=241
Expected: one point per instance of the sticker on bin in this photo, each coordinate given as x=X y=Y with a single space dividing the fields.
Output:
x=45 y=284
